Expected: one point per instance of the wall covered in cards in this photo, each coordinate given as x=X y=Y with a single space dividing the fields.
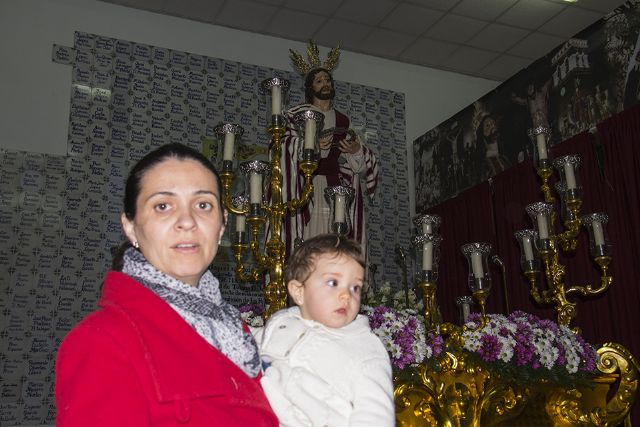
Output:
x=59 y=214
x=35 y=91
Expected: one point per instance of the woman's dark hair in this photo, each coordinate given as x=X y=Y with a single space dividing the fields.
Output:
x=157 y=156
x=308 y=83
x=133 y=184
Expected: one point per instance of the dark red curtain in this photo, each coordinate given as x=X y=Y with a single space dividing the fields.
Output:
x=492 y=212
x=462 y=222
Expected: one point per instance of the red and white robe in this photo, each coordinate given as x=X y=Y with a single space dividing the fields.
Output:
x=334 y=168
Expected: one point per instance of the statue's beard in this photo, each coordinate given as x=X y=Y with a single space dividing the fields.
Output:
x=325 y=95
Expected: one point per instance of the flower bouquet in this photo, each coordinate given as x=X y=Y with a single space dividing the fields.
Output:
x=252 y=314
x=529 y=349
x=520 y=346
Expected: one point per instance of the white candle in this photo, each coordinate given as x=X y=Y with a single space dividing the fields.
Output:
x=598 y=234
x=240 y=223
x=465 y=312
x=427 y=256
x=543 y=228
x=527 y=248
x=476 y=265
x=255 y=184
x=276 y=100
x=541 y=142
x=229 y=139
x=339 y=213
x=426 y=228
x=309 y=134
x=569 y=176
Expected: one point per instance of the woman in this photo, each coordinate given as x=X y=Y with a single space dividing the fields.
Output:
x=164 y=349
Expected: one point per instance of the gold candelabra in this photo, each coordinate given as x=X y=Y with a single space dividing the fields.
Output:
x=540 y=247
x=264 y=210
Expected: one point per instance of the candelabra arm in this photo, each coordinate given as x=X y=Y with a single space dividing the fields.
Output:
x=532 y=275
x=256 y=223
x=226 y=177
x=568 y=239
x=605 y=280
x=255 y=275
x=308 y=167
x=545 y=174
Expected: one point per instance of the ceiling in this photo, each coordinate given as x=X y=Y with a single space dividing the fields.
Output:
x=492 y=39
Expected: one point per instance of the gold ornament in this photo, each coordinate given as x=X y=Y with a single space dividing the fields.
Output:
x=313 y=53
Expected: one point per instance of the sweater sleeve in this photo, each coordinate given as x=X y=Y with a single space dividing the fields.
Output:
x=96 y=385
x=373 y=403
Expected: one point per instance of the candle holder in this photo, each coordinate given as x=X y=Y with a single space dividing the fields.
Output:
x=427 y=257
x=566 y=214
x=228 y=134
x=257 y=175
x=465 y=307
x=428 y=224
x=598 y=241
x=529 y=259
x=339 y=199
x=265 y=210
x=277 y=88
x=567 y=166
x=479 y=280
x=541 y=216
x=240 y=235
x=309 y=124
x=542 y=156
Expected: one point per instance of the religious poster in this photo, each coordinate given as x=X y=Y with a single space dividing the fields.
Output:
x=591 y=77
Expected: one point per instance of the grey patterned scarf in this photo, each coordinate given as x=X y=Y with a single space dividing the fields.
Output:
x=217 y=321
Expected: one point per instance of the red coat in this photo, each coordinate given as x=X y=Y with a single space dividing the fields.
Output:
x=136 y=362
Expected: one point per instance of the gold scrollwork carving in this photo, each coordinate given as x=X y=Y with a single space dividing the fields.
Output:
x=589 y=405
x=460 y=393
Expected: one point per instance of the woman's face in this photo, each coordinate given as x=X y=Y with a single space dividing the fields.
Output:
x=179 y=222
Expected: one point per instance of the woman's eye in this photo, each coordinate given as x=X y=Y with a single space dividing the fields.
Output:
x=205 y=206
x=161 y=207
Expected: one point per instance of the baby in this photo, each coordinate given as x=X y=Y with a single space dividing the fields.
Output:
x=325 y=366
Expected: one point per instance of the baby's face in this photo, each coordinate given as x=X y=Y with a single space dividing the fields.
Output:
x=331 y=294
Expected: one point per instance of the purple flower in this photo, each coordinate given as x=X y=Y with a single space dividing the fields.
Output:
x=489 y=348
x=255 y=308
x=524 y=354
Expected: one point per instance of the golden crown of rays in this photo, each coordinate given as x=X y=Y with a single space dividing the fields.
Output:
x=313 y=53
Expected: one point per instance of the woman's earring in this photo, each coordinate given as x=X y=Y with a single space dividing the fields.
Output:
x=136 y=245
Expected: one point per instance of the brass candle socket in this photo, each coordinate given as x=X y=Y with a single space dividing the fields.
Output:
x=431 y=310
x=481 y=296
